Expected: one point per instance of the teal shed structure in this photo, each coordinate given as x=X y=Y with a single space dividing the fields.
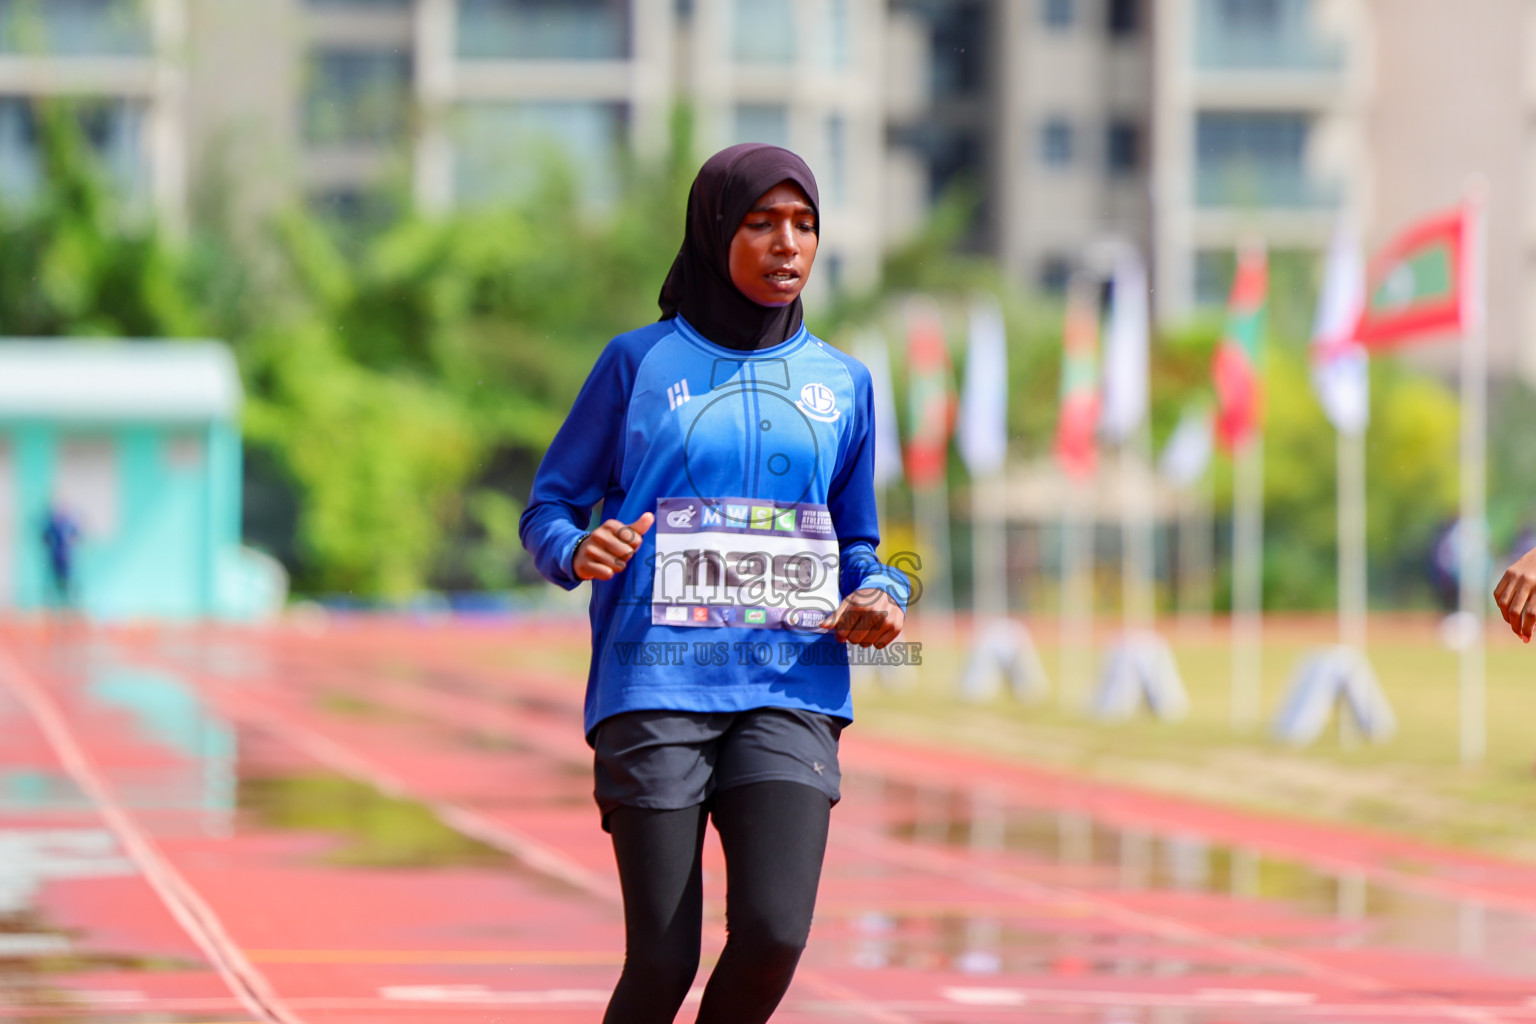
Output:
x=139 y=443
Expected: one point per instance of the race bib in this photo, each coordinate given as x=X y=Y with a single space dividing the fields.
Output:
x=743 y=562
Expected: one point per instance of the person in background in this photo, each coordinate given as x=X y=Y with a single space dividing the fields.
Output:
x=60 y=536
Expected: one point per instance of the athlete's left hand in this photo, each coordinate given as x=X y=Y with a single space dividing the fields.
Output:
x=868 y=617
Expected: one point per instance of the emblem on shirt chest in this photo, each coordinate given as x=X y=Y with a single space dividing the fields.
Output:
x=819 y=403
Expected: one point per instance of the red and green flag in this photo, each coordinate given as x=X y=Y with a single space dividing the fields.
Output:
x=1079 y=415
x=1414 y=286
x=1238 y=365
x=930 y=394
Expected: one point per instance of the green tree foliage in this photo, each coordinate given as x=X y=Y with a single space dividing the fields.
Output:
x=75 y=262
x=414 y=370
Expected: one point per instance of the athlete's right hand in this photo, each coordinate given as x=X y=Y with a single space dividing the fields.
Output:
x=605 y=551
x=1516 y=596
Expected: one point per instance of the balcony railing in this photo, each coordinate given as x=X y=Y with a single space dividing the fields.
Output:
x=544 y=29
x=504 y=150
x=1262 y=35
x=1254 y=186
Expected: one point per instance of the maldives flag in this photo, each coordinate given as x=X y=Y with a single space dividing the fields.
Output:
x=929 y=393
x=1415 y=285
x=1079 y=416
x=1239 y=393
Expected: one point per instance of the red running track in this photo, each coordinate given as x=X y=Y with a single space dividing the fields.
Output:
x=389 y=822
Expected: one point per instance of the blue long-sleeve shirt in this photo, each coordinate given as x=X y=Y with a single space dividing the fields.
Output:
x=665 y=413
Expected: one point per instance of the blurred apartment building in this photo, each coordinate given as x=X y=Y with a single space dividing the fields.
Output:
x=1179 y=125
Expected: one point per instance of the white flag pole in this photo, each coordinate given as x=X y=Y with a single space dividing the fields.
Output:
x=983 y=445
x=1137 y=532
x=1078 y=517
x=1139 y=670
x=1340 y=375
x=989 y=565
x=1075 y=640
x=1248 y=546
x=1352 y=564
x=1197 y=559
x=1183 y=464
x=1248 y=583
x=1127 y=397
x=1340 y=676
x=1474 y=445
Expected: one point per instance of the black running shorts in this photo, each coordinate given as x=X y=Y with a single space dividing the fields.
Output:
x=668 y=760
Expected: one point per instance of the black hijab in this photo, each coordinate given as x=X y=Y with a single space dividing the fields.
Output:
x=699 y=283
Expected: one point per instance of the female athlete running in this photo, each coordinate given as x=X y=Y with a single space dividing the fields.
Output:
x=732 y=452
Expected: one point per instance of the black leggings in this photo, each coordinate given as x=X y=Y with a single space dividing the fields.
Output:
x=774 y=835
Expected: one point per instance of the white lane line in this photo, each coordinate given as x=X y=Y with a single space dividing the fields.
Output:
x=985 y=996
x=479 y=995
x=200 y=923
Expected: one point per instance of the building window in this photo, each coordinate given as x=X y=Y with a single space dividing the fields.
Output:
x=357 y=97
x=544 y=29
x=1250 y=15
x=763 y=122
x=1124 y=18
x=765 y=33
x=354 y=206
x=952 y=156
x=1057 y=13
x=1270 y=137
x=839 y=33
x=834 y=276
x=366 y=5
x=837 y=160
x=1055 y=274
x=958 y=51
x=1255 y=159
x=113 y=129
x=1056 y=142
x=74 y=27
x=1122 y=148
x=1263 y=34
